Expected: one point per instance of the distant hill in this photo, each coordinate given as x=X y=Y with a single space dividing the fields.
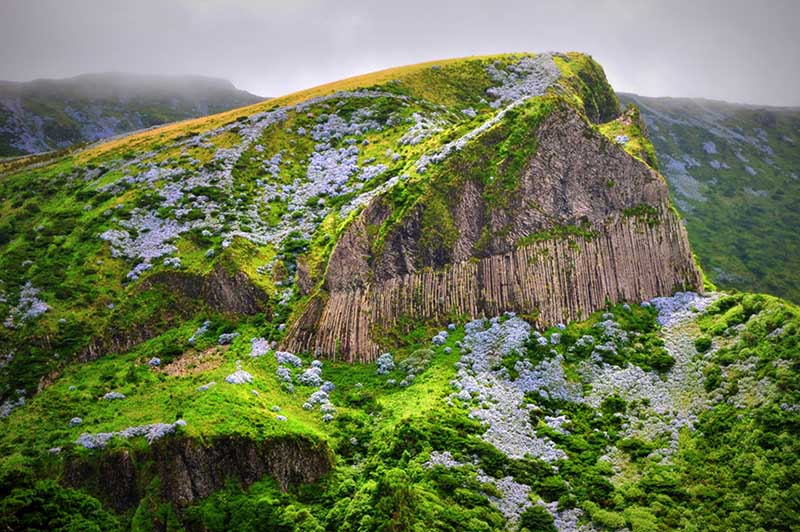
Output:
x=734 y=174
x=47 y=114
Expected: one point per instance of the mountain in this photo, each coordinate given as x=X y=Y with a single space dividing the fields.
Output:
x=446 y=296
x=52 y=114
x=734 y=173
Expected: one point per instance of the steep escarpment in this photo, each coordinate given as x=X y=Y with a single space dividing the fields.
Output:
x=110 y=246
x=189 y=469
x=573 y=225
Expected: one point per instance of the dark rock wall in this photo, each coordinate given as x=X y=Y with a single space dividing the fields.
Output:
x=184 y=294
x=189 y=469
x=561 y=280
x=576 y=179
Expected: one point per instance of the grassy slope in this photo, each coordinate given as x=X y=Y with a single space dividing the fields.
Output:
x=53 y=213
x=743 y=227
x=726 y=475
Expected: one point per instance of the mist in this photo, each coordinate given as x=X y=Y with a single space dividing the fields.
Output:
x=740 y=51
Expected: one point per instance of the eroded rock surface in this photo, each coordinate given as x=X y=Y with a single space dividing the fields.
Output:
x=626 y=243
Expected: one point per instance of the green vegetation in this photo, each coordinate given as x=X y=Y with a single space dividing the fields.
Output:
x=566 y=231
x=494 y=162
x=646 y=213
x=733 y=175
x=629 y=131
x=714 y=445
x=586 y=78
x=383 y=434
x=46 y=505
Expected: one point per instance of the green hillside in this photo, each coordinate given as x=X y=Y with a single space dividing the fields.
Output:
x=146 y=285
x=734 y=173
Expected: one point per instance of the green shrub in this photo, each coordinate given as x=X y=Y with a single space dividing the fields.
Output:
x=536 y=519
x=46 y=505
x=702 y=344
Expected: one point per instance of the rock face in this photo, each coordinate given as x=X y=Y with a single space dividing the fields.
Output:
x=220 y=291
x=189 y=469
x=585 y=224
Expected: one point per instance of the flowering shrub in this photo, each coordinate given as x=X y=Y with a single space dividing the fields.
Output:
x=529 y=76
x=424 y=127
x=112 y=396
x=259 y=347
x=199 y=332
x=284 y=374
x=311 y=377
x=440 y=338
x=149 y=432
x=28 y=307
x=227 y=338
x=385 y=364
x=288 y=359
x=239 y=377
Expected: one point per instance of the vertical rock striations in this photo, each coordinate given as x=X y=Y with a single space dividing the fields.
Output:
x=558 y=280
x=580 y=223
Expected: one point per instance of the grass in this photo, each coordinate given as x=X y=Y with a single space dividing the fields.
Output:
x=169 y=133
x=631 y=126
x=743 y=240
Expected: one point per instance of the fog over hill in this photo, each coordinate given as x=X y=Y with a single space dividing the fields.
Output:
x=734 y=175
x=48 y=114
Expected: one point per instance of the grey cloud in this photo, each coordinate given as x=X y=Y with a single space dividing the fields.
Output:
x=726 y=49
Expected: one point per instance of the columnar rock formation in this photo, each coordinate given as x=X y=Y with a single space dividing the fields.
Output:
x=586 y=224
x=557 y=280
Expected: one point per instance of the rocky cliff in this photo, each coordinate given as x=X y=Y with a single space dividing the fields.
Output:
x=189 y=469
x=583 y=223
x=331 y=215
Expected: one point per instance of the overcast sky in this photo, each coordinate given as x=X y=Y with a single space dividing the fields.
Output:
x=743 y=51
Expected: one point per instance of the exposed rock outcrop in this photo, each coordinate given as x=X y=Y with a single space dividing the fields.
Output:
x=220 y=291
x=189 y=469
x=586 y=224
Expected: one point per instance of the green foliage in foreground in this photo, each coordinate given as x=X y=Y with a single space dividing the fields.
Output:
x=47 y=506
x=738 y=470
